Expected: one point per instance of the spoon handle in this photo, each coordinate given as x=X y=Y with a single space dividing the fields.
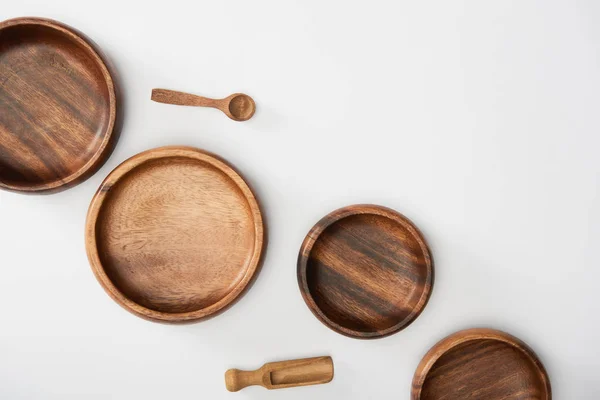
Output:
x=183 y=99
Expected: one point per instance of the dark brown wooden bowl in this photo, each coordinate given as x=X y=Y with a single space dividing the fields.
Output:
x=174 y=234
x=481 y=364
x=58 y=106
x=365 y=271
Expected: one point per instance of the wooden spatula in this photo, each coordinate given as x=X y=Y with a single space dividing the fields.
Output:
x=282 y=374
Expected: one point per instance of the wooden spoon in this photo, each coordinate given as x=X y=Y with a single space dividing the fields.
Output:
x=238 y=106
x=283 y=374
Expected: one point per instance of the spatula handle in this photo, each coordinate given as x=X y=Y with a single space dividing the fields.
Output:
x=236 y=379
x=183 y=99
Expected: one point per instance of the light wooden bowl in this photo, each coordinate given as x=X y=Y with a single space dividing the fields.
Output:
x=174 y=234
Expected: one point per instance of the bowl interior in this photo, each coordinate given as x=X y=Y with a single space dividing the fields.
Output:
x=366 y=274
x=490 y=368
x=175 y=235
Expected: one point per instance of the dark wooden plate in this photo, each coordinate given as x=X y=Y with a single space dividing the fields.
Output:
x=58 y=106
x=174 y=234
x=481 y=364
x=365 y=271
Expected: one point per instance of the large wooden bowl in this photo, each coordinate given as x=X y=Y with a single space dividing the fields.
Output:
x=365 y=271
x=58 y=106
x=481 y=364
x=174 y=234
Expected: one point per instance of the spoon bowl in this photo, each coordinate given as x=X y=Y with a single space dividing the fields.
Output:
x=241 y=107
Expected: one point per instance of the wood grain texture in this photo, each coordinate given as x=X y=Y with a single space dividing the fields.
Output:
x=482 y=364
x=174 y=234
x=59 y=109
x=365 y=271
x=238 y=106
x=282 y=374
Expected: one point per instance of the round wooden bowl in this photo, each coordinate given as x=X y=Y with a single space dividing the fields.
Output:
x=58 y=106
x=174 y=234
x=481 y=364
x=365 y=271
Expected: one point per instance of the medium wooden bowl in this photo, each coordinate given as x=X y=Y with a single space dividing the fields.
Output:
x=174 y=234
x=481 y=364
x=58 y=106
x=365 y=271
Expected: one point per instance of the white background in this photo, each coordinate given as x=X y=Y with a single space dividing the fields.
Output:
x=478 y=120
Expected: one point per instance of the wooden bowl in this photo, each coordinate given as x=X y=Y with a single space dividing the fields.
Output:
x=174 y=234
x=58 y=106
x=365 y=271
x=481 y=364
